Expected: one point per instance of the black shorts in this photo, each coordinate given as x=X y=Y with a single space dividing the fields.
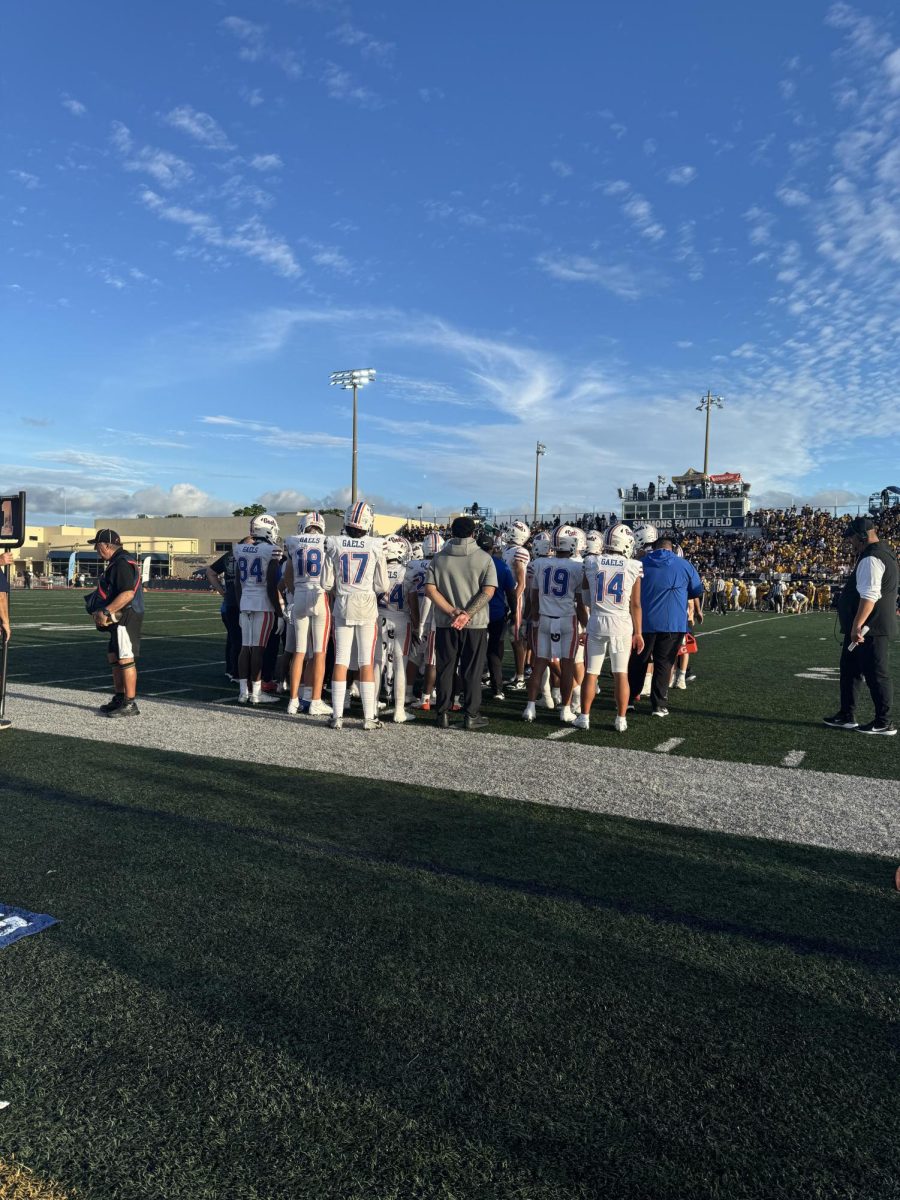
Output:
x=125 y=636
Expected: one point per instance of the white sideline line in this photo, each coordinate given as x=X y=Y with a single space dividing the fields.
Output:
x=169 y=692
x=793 y=758
x=153 y=637
x=152 y=671
x=729 y=628
x=665 y=747
x=560 y=733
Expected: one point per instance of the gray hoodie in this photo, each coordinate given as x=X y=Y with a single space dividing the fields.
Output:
x=459 y=572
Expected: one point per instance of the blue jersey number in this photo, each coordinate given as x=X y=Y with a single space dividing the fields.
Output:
x=361 y=560
x=309 y=562
x=560 y=584
x=253 y=570
x=396 y=595
x=613 y=587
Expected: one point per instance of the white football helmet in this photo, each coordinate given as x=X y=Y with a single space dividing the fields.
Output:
x=432 y=544
x=542 y=544
x=359 y=517
x=565 y=533
x=313 y=522
x=679 y=552
x=518 y=533
x=264 y=527
x=415 y=550
x=619 y=540
x=645 y=534
x=396 y=548
x=581 y=539
x=594 y=542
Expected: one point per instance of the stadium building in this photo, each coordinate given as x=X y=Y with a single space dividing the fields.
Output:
x=689 y=501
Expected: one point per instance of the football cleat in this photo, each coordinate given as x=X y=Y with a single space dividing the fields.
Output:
x=358 y=519
x=582 y=721
x=401 y=716
x=620 y=725
x=619 y=540
x=518 y=533
x=117 y=701
x=660 y=712
x=530 y=712
x=264 y=527
x=262 y=698
x=336 y=723
x=516 y=685
x=318 y=708
x=680 y=684
x=293 y=707
x=372 y=723
x=566 y=716
x=130 y=709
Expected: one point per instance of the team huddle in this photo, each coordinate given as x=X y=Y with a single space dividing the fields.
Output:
x=360 y=604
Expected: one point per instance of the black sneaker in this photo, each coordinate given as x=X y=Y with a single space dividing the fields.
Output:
x=885 y=728
x=478 y=722
x=840 y=721
x=127 y=708
x=117 y=701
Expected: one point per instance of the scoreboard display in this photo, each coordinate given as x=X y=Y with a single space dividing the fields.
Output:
x=12 y=521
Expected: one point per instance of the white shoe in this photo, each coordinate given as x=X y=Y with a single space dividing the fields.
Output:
x=547 y=700
x=575 y=704
x=373 y=723
x=660 y=712
x=566 y=715
x=263 y=698
x=381 y=706
x=530 y=712
x=336 y=723
x=401 y=716
x=498 y=696
x=243 y=697
x=680 y=684
x=318 y=708
x=582 y=721
x=557 y=695
x=620 y=724
x=293 y=707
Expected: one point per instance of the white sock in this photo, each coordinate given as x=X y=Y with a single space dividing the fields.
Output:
x=242 y=685
x=338 y=691
x=645 y=690
x=682 y=675
x=367 y=695
x=256 y=687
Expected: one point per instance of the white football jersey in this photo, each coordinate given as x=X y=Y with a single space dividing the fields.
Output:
x=556 y=582
x=393 y=598
x=359 y=575
x=310 y=558
x=251 y=566
x=414 y=581
x=609 y=580
x=513 y=555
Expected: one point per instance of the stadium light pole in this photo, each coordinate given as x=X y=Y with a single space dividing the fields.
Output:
x=708 y=402
x=353 y=380
x=539 y=453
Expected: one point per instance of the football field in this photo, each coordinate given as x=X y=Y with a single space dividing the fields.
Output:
x=298 y=963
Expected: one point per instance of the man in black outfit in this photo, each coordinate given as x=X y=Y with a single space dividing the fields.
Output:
x=868 y=601
x=221 y=579
x=122 y=614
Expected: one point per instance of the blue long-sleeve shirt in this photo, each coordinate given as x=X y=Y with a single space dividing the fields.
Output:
x=668 y=583
x=505 y=583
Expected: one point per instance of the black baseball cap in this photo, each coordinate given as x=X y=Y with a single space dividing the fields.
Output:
x=859 y=527
x=105 y=535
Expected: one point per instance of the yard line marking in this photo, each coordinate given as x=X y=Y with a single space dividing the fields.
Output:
x=154 y=637
x=561 y=733
x=665 y=747
x=818 y=675
x=729 y=628
x=152 y=671
x=169 y=692
x=793 y=758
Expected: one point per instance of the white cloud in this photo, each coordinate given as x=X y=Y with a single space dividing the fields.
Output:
x=650 y=146
x=578 y=268
x=640 y=213
x=253 y=96
x=560 y=168
x=682 y=176
x=266 y=162
x=684 y=345
x=369 y=47
x=166 y=168
x=26 y=179
x=792 y=197
x=199 y=126
x=254 y=46
x=75 y=107
x=341 y=85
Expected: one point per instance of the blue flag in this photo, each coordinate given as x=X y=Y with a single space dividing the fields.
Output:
x=16 y=923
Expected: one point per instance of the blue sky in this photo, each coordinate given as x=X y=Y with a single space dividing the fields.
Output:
x=559 y=221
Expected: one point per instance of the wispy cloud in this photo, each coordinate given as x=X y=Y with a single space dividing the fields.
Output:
x=75 y=107
x=266 y=162
x=560 y=168
x=26 y=179
x=682 y=176
x=578 y=268
x=166 y=168
x=254 y=46
x=341 y=85
x=368 y=46
x=251 y=238
x=199 y=126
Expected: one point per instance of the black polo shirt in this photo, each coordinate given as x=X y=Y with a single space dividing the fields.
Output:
x=122 y=574
x=224 y=566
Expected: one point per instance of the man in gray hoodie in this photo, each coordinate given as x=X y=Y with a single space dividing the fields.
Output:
x=460 y=582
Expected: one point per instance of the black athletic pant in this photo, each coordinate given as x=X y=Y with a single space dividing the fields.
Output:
x=231 y=619
x=663 y=648
x=870 y=662
x=465 y=648
x=495 y=648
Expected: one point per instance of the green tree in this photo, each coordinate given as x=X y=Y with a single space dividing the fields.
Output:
x=174 y=515
x=249 y=510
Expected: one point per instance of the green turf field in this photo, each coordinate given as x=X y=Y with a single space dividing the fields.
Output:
x=268 y=985
x=754 y=700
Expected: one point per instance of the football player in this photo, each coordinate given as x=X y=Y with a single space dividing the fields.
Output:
x=359 y=575
x=396 y=628
x=517 y=558
x=422 y=649
x=256 y=587
x=309 y=574
x=554 y=587
x=610 y=605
